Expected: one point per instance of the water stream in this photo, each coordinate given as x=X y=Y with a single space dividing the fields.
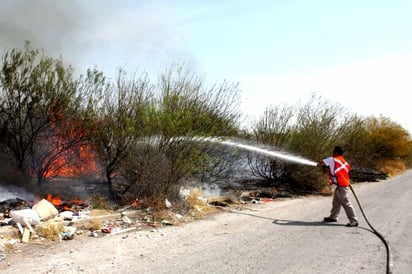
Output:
x=271 y=153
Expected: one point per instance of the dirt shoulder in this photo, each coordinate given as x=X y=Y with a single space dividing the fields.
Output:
x=283 y=236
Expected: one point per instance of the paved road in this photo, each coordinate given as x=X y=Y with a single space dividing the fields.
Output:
x=278 y=237
x=288 y=237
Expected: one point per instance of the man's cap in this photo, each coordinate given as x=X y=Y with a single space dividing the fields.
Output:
x=338 y=150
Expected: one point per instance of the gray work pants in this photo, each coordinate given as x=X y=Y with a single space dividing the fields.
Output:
x=340 y=199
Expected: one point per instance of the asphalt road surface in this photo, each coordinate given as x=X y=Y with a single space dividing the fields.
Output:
x=284 y=236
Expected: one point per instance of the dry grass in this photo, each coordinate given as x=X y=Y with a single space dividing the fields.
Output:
x=7 y=246
x=157 y=204
x=93 y=224
x=99 y=202
x=50 y=231
x=198 y=206
x=393 y=167
x=194 y=206
x=226 y=201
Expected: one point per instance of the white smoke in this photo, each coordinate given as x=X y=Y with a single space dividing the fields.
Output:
x=55 y=26
x=12 y=192
x=89 y=34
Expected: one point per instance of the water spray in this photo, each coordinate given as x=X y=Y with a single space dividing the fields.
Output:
x=271 y=153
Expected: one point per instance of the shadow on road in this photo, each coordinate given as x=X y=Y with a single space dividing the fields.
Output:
x=303 y=223
x=287 y=222
x=248 y=214
x=293 y=222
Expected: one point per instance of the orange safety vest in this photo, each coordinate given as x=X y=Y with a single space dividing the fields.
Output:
x=342 y=168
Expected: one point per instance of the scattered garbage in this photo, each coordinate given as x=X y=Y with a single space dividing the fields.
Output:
x=167 y=222
x=23 y=215
x=67 y=215
x=168 y=204
x=44 y=220
x=45 y=210
x=68 y=233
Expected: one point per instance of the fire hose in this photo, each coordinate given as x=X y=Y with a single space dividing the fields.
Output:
x=389 y=260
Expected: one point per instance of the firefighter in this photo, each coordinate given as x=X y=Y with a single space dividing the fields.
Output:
x=338 y=172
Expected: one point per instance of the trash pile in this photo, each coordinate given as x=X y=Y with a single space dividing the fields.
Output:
x=22 y=222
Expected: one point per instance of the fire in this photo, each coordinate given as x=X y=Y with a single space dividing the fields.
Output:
x=77 y=201
x=74 y=163
x=55 y=200
x=66 y=152
x=58 y=202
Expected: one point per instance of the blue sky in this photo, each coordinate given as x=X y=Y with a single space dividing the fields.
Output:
x=355 y=53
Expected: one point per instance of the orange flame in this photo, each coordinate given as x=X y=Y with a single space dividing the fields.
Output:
x=55 y=200
x=77 y=201
x=70 y=156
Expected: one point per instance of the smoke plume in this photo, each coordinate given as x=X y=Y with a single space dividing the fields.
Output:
x=87 y=34
x=57 y=27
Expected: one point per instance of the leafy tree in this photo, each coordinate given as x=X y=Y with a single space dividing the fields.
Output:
x=118 y=119
x=353 y=136
x=387 y=140
x=309 y=130
x=318 y=126
x=185 y=110
x=273 y=129
x=275 y=126
x=36 y=93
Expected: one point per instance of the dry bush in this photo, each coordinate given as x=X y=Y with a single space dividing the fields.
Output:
x=9 y=244
x=197 y=206
x=393 y=167
x=91 y=225
x=155 y=203
x=195 y=198
x=99 y=202
x=94 y=224
x=50 y=231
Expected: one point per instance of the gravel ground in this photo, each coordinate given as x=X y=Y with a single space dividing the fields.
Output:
x=284 y=236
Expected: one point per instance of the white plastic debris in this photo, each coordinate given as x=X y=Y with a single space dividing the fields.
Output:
x=168 y=203
x=30 y=215
x=67 y=215
x=126 y=220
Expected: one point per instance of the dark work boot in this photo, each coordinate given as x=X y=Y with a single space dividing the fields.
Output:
x=330 y=220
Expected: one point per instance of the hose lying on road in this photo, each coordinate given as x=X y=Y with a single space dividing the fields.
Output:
x=389 y=261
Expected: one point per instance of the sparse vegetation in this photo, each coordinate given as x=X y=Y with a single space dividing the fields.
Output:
x=93 y=224
x=377 y=145
x=143 y=134
x=99 y=202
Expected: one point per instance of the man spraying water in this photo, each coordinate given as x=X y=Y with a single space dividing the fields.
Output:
x=338 y=171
